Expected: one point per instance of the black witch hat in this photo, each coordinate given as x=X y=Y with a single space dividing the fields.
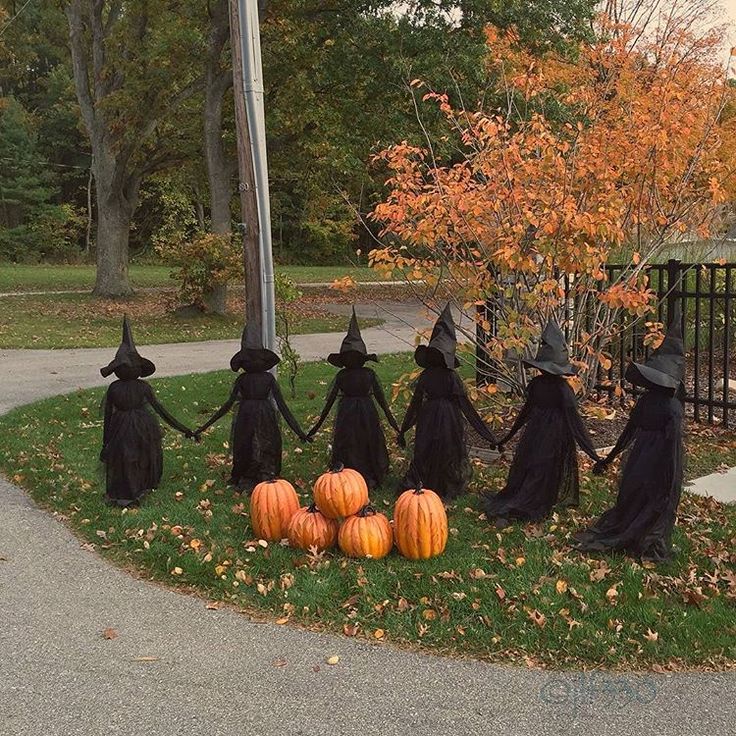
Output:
x=666 y=365
x=443 y=342
x=128 y=357
x=252 y=356
x=352 y=344
x=553 y=355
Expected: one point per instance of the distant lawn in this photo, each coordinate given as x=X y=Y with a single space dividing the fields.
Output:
x=22 y=278
x=521 y=595
x=81 y=321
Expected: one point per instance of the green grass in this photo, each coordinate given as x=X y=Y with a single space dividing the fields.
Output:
x=20 y=277
x=518 y=595
x=82 y=321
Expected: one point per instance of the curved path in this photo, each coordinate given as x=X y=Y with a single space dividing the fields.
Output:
x=178 y=668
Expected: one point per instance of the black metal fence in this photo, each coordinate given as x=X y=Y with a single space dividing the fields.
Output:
x=706 y=294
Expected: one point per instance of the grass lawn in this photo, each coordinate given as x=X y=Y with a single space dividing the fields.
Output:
x=81 y=321
x=521 y=595
x=20 y=278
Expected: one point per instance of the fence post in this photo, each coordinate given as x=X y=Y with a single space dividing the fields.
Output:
x=674 y=287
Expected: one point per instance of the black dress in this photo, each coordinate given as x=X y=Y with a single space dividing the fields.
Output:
x=131 y=441
x=358 y=441
x=440 y=460
x=256 y=434
x=545 y=467
x=641 y=522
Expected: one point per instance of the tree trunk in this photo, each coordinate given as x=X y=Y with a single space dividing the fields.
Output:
x=113 y=231
x=115 y=206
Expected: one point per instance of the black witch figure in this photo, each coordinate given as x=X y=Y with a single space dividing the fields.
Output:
x=131 y=441
x=256 y=434
x=358 y=441
x=544 y=470
x=641 y=522
x=440 y=460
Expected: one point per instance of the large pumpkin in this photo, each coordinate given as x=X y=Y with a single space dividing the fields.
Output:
x=420 y=524
x=340 y=492
x=272 y=505
x=309 y=528
x=367 y=534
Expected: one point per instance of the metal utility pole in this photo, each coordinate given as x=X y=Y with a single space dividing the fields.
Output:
x=253 y=167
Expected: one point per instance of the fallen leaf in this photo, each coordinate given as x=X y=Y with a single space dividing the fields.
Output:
x=334 y=659
x=561 y=586
x=177 y=571
x=109 y=634
x=651 y=635
x=282 y=621
x=214 y=606
x=378 y=634
x=279 y=662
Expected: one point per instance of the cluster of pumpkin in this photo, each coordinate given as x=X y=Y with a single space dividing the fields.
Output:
x=341 y=513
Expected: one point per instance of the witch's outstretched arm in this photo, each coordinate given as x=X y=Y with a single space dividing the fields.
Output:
x=412 y=411
x=580 y=433
x=329 y=401
x=224 y=409
x=161 y=410
x=381 y=399
x=521 y=419
x=624 y=440
x=475 y=420
x=286 y=413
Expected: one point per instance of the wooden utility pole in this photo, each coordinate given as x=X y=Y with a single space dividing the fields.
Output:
x=246 y=182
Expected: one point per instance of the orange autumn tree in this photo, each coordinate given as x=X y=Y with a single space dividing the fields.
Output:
x=612 y=153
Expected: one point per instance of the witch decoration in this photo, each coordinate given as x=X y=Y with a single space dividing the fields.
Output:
x=544 y=470
x=131 y=440
x=358 y=441
x=440 y=461
x=256 y=435
x=640 y=523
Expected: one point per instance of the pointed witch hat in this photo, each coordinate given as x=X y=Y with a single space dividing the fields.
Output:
x=252 y=356
x=352 y=344
x=666 y=365
x=128 y=356
x=553 y=355
x=443 y=341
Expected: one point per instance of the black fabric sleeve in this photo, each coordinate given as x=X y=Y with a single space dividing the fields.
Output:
x=159 y=408
x=475 y=420
x=224 y=409
x=286 y=412
x=623 y=441
x=521 y=419
x=329 y=401
x=410 y=418
x=580 y=432
x=381 y=399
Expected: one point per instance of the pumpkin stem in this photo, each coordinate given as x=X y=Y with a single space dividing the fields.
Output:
x=312 y=508
x=337 y=468
x=418 y=490
x=367 y=510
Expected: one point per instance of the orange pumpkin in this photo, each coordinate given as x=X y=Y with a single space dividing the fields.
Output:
x=420 y=524
x=310 y=528
x=340 y=492
x=272 y=505
x=367 y=534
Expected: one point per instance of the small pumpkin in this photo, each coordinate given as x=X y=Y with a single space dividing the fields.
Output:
x=272 y=505
x=367 y=534
x=340 y=492
x=420 y=524
x=310 y=528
